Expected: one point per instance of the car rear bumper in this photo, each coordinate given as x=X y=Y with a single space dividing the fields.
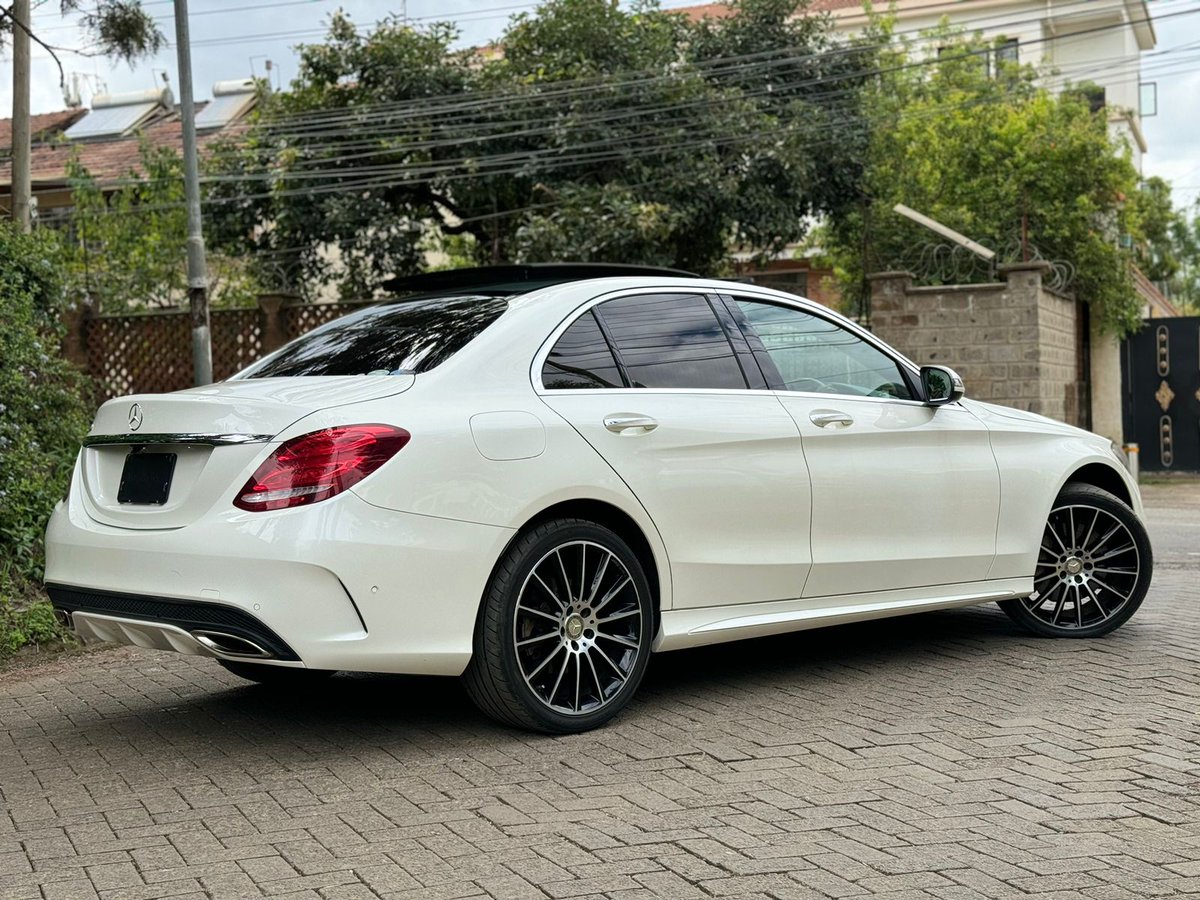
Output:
x=200 y=629
x=338 y=585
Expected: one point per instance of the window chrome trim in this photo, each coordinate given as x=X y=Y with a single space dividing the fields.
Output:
x=211 y=440
x=822 y=397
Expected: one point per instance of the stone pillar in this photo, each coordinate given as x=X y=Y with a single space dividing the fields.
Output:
x=274 y=322
x=889 y=295
x=1106 y=384
x=1024 y=280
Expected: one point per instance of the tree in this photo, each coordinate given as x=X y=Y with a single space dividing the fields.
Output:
x=119 y=28
x=1184 y=286
x=128 y=246
x=969 y=139
x=589 y=132
x=42 y=411
x=1158 y=253
x=1169 y=250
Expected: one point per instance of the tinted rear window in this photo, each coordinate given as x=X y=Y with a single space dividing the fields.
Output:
x=581 y=358
x=396 y=338
x=671 y=341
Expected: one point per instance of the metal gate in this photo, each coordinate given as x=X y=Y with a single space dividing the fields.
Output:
x=1160 y=393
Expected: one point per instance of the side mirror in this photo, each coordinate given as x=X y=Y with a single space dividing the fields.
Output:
x=940 y=385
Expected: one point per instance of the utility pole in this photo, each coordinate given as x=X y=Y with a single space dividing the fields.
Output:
x=22 y=188
x=197 y=273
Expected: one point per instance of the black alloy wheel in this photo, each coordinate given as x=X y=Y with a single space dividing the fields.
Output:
x=1093 y=568
x=564 y=634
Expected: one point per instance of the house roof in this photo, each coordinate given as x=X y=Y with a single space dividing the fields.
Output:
x=724 y=10
x=704 y=11
x=108 y=160
x=41 y=126
x=1159 y=305
x=108 y=137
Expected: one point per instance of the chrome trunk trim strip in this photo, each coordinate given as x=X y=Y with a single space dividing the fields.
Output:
x=213 y=440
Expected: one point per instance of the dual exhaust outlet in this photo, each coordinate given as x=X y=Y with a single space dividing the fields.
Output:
x=230 y=645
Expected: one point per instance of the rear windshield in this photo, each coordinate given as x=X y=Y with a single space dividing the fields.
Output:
x=404 y=337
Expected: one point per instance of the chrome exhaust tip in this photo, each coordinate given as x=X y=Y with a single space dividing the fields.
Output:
x=64 y=619
x=230 y=645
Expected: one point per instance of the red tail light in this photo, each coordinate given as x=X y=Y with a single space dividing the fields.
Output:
x=320 y=465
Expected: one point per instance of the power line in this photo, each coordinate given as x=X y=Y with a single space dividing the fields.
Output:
x=410 y=173
x=455 y=104
x=604 y=118
x=397 y=175
x=391 y=177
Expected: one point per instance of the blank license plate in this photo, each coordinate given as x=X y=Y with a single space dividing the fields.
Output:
x=146 y=478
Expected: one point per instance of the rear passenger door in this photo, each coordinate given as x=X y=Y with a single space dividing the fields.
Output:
x=664 y=387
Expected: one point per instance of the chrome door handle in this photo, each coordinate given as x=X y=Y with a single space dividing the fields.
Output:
x=822 y=418
x=623 y=423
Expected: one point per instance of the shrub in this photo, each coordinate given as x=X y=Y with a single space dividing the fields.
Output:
x=43 y=414
x=23 y=623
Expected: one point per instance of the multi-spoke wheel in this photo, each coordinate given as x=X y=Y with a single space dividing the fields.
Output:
x=1093 y=567
x=564 y=634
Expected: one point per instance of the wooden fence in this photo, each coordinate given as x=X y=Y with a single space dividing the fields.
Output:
x=152 y=352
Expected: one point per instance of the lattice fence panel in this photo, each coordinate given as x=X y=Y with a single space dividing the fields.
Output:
x=136 y=354
x=301 y=319
x=152 y=353
x=237 y=340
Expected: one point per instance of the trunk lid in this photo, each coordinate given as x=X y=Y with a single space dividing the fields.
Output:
x=215 y=433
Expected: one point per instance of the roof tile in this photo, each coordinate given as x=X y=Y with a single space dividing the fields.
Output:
x=107 y=159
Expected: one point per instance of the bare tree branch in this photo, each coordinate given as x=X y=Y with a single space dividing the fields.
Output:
x=6 y=13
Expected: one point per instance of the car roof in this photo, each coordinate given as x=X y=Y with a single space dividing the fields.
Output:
x=515 y=279
x=573 y=293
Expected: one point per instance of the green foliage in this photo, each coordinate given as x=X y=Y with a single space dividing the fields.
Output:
x=972 y=142
x=600 y=133
x=1183 y=288
x=25 y=625
x=1158 y=254
x=42 y=411
x=119 y=28
x=1169 y=250
x=127 y=248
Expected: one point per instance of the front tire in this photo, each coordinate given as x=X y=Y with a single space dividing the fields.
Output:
x=563 y=637
x=1093 y=569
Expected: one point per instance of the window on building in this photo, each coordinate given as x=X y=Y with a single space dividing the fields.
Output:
x=1007 y=52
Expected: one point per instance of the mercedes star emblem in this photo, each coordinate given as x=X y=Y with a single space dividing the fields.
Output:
x=135 y=417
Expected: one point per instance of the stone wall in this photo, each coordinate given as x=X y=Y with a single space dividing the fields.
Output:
x=1013 y=342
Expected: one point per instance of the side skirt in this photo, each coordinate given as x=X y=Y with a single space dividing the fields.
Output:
x=714 y=624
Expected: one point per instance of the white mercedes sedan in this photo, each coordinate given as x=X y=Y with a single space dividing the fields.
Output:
x=535 y=478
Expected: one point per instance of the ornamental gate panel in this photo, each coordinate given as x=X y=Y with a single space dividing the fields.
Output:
x=1160 y=388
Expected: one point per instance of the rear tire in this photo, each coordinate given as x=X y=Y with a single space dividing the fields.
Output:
x=1093 y=569
x=289 y=676
x=563 y=636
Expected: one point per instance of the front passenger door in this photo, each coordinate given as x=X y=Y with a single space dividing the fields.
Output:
x=904 y=495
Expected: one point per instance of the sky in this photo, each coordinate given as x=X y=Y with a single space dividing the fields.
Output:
x=234 y=39
x=1173 y=135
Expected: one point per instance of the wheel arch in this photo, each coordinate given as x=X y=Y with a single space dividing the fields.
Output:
x=617 y=520
x=1102 y=476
